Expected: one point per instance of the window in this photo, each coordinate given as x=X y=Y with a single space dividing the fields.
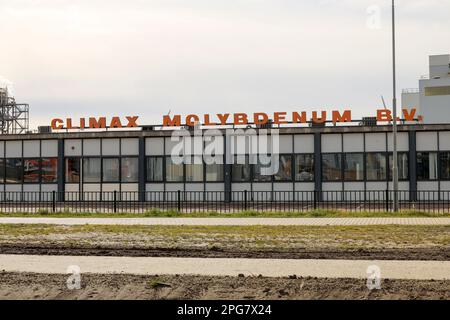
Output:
x=31 y=170
x=284 y=169
x=403 y=169
x=214 y=172
x=427 y=166
x=14 y=170
x=194 y=169
x=332 y=167
x=445 y=165
x=72 y=170
x=240 y=172
x=354 y=167
x=155 y=169
x=174 y=172
x=110 y=170
x=437 y=91
x=304 y=167
x=258 y=173
x=49 y=170
x=2 y=171
x=376 y=167
x=91 y=169
x=129 y=169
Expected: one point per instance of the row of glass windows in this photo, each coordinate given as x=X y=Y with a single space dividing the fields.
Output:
x=198 y=172
x=160 y=167
x=35 y=170
x=359 y=166
x=96 y=170
x=335 y=167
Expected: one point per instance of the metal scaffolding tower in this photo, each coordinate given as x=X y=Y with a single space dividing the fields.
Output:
x=14 y=117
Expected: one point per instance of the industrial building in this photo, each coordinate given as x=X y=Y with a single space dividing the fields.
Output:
x=137 y=163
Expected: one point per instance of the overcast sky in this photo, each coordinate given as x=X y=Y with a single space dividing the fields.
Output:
x=146 y=57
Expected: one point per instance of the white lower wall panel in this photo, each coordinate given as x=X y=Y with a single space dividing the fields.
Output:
x=91 y=192
x=427 y=190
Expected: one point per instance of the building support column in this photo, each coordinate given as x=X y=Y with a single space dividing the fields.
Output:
x=318 y=165
x=412 y=166
x=141 y=168
x=227 y=167
x=61 y=171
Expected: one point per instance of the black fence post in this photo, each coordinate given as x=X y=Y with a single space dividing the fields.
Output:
x=179 y=200
x=115 y=201
x=245 y=200
x=54 y=201
x=315 y=193
x=387 y=200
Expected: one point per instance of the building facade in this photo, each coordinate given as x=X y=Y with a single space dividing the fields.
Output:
x=432 y=97
x=327 y=159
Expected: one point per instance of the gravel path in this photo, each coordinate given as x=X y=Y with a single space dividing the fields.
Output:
x=419 y=270
x=230 y=221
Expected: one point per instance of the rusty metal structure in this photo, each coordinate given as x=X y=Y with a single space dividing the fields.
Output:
x=14 y=117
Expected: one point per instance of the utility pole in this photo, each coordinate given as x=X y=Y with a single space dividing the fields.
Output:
x=394 y=122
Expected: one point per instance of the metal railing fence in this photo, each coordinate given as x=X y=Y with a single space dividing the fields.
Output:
x=222 y=202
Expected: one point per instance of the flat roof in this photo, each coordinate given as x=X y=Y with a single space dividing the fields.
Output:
x=165 y=133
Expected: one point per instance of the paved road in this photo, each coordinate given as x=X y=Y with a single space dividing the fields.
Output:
x=420 y=270
x=230 y=221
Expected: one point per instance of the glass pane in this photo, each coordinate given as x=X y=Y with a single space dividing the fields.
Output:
x=331 y=167
x=174 y=172
x=285 y=168
x=214 y=172
x=31 y=170
x=130 y=169
x=13 y=170
x=240 y=171
x=49 y=170
x=2 y=170
x=91 y=170
x=304 y=167
x=258 y=175
x=72 y=170
x=376 y=166
x=427 y=166
x=403 y=169
x=155 y=169
x=110 y=170
x=194 y=169
x=354 y=167
x=445 y=165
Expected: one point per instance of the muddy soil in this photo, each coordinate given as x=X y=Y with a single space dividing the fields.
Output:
x=437 y=254
x=120 y=286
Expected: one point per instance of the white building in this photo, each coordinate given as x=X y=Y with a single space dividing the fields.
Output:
x=432 y=98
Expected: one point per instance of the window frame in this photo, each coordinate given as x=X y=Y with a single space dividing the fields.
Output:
x=80 y=177
x=183 y=179
x=39 y=179
x=295 y=155
x=21 y=177
x=247 y=163
x=291 y=178
x=102 y=169
x=83 y=181
x=386 y=162
x=438 y=177
x=341 y=169
x=389 y=166
x=163 y=176
x=343 y=160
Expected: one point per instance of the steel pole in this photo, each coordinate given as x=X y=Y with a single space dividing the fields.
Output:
x=394 y=122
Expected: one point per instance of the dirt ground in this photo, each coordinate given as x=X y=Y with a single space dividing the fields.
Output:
x=295 y=242
x=119 y=286
x=437 y=254
x=282 y=242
